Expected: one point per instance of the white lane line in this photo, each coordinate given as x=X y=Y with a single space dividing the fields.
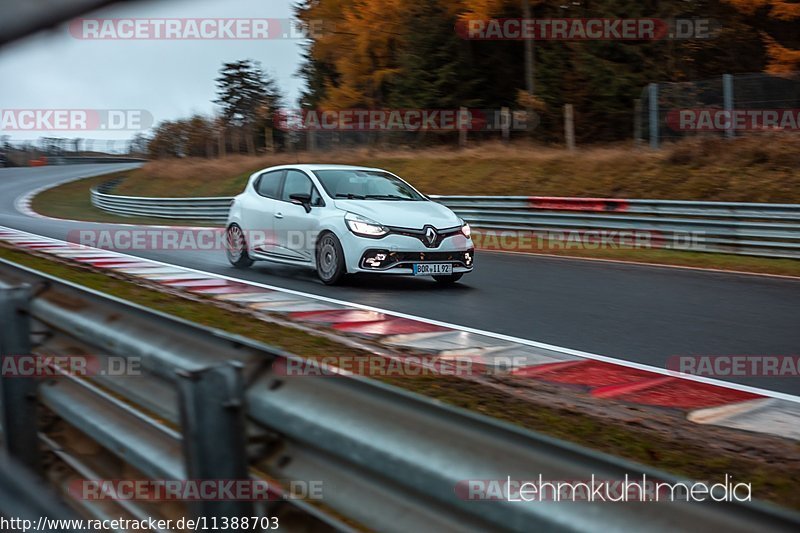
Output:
x=475 y=331
x=23 y=205
x=642 y=263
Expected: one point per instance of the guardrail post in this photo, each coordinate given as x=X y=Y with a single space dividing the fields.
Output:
x=17 y=392
x=213 y=423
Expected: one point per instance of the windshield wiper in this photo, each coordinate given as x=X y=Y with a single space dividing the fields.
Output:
x=351 y=196
x=387 y=197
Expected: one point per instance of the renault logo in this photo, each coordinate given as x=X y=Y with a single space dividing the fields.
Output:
x=430 y=235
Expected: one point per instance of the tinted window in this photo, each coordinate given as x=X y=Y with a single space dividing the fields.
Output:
x=365 y=185
x=269 y=183
x=296 y=183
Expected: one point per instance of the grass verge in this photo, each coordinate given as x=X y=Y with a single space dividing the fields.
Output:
x=72 y=201
x=757 y=168
x=661 y=438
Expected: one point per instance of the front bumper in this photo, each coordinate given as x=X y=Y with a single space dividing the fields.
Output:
x=395 y=254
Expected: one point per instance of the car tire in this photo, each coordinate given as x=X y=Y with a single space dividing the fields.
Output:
x=236 y=247
x=330 y=259
x=448 y=280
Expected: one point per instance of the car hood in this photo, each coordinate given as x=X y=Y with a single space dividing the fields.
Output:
x=402 y=214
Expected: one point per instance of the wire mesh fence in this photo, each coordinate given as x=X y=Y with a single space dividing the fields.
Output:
x=728 y=105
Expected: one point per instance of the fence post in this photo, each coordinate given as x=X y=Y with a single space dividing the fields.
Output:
x=221 y=144
x=463 y=122
x=569 y=127
x=652 y=102
x=637 y=122
x=727 y=101
x=311 y=140
x=269 y=144
x=212 y=409
x=505 y=123
x=17 y=392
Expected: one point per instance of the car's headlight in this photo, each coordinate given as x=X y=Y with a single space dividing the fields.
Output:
x=364 y=226
x=465 y=230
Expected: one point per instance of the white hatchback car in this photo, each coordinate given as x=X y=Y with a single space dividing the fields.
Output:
x=344 y=219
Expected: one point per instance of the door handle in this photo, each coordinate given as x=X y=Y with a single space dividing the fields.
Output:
x=278 y=215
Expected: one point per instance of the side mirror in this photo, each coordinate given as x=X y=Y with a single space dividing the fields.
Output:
x=302 y=199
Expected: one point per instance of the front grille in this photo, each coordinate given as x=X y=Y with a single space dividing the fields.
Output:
x=441 y=234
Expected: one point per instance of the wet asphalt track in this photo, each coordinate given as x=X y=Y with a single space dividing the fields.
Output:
x=632 y=312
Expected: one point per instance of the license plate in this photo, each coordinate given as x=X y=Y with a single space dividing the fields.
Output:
x=432 y=269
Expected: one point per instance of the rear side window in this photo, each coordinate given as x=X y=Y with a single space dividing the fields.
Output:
x=269 y=184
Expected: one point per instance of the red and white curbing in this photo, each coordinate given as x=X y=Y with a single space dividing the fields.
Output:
x=705 y=400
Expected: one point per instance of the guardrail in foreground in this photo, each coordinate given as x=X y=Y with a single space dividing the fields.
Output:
x=211 y=405
x=770 y=230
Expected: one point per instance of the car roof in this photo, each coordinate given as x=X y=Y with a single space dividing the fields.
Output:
x=321 y=166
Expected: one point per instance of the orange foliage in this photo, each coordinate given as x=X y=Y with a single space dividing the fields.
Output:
x=782 y=59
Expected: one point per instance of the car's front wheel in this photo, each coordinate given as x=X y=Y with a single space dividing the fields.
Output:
x=236 y=248
x=330 y=259
x=448 y=280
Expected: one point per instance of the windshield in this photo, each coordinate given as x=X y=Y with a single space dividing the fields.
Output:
x=366 y=185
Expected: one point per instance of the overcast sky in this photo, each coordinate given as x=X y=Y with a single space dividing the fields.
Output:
x=168 y=78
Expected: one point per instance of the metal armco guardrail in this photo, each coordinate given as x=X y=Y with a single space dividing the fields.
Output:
x=212 y=405
x=771 y=230
x=213 y=209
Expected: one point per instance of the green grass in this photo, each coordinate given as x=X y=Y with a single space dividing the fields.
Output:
x=660 y=438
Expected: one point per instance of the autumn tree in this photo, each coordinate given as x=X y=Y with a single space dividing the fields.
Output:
x=248 y=99
x=777 y=22
x=388 y=53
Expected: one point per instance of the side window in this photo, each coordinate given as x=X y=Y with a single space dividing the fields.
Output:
x=269 y=184
x=298 y=183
